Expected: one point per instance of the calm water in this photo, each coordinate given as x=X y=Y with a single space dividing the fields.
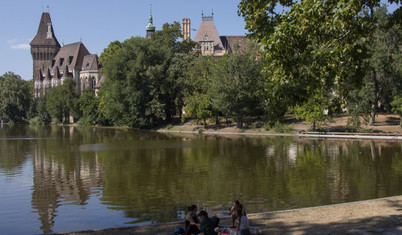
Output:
x=59 y=179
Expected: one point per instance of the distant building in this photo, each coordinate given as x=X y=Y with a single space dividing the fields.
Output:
x=209 y=41
x=52 y=64
x=150 y=29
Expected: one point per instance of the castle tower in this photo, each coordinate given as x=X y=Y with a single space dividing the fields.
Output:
x=150 y=29
x=44 y=48
x=186 y=27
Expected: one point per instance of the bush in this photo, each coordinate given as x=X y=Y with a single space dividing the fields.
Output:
x=170 y=126
x=84 y=122
x=55 y=121
x=279 y=127
x=36 y=121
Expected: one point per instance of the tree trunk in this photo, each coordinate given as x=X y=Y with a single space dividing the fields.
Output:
x=314 y=125
x=375 y=103
x=239 y=123
x=205 y=122
x=217 y=120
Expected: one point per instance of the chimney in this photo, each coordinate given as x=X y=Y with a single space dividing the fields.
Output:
x=186 y=27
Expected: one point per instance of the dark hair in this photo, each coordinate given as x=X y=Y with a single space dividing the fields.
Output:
x=192 y=207
x=203 y=213
x=237 y=202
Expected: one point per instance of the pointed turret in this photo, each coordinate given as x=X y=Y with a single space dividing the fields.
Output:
x=150 y=27
x=44 y=46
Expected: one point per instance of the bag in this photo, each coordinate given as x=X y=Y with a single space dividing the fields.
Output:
x=178 y=230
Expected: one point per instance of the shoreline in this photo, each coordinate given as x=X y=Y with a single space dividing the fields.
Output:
x=334 y=135
x=378 y=216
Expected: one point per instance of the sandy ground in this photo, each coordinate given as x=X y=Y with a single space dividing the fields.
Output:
x=384 y=124
x=379 y=216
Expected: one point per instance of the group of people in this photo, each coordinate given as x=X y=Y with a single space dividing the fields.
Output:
x=200 y=223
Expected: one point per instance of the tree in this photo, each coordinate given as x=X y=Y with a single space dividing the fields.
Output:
x=137 y=92
x=89 y=107
x=179 y=78
x=62 y=101
x=397 y=107
x=313 y=46
x=385 y=61
x=109 y=52
x=15 y=98
x=237 y=85
x=382 y=80
x=197 y=101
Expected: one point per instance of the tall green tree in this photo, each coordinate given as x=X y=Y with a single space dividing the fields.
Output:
x=15 y=98
x=382 y=79
x=311 y=46
x=197 y=100
x=237 y=85
x=137 y=91
x=62 y=101
x=89 y=106
x=397 y=107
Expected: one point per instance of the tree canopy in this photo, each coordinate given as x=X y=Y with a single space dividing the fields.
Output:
x=312 y=47
x=15 y=98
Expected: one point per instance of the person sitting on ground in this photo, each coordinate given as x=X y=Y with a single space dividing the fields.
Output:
x=207 y=224
x=242 y=222
x=192 y=223
x=233 y=211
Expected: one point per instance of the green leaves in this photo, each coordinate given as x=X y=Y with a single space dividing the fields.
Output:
x=313 y=47
x=15 y=98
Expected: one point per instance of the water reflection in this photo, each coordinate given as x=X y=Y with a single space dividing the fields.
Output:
x=80 y=175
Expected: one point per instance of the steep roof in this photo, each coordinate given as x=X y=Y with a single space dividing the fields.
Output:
x=42 y=37
x=71 y=55
x=208 y=32
x=90 y=63
x=234 y=43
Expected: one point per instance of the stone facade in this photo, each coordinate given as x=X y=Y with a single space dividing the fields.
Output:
x=211 y=44
x=52 y=64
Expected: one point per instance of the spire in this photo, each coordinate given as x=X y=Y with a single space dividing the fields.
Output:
x=45 y=34
x=150 y=27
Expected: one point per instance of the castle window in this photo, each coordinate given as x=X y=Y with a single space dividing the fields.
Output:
x=61 y=60
x=70 y=59
x=53 y=62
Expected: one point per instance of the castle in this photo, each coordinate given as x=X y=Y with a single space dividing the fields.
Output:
x=53 y=63
x=208 y=39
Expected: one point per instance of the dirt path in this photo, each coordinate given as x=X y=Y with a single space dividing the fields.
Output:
x=379 y=216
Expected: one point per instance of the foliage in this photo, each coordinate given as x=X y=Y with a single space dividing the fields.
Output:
x=313 y=46
x=397 y=106
x=197 y=102
x=199 y=105
x=89 y=107
x=41 y=110
x=62 y=101
x=109 y=52
x=313 y=109
x=279 y=127
x=36 y=121
x=237 y=86
x=15 y=98
x=138 y=92
x=383 y=79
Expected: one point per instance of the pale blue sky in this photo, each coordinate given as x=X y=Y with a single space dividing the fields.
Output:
x=98 y=22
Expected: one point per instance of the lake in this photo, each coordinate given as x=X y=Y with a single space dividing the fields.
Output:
x=63 y=179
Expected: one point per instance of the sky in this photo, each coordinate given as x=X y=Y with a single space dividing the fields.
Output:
x=98 y=22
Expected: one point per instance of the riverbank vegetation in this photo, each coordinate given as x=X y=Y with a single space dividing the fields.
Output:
x=316 y=60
